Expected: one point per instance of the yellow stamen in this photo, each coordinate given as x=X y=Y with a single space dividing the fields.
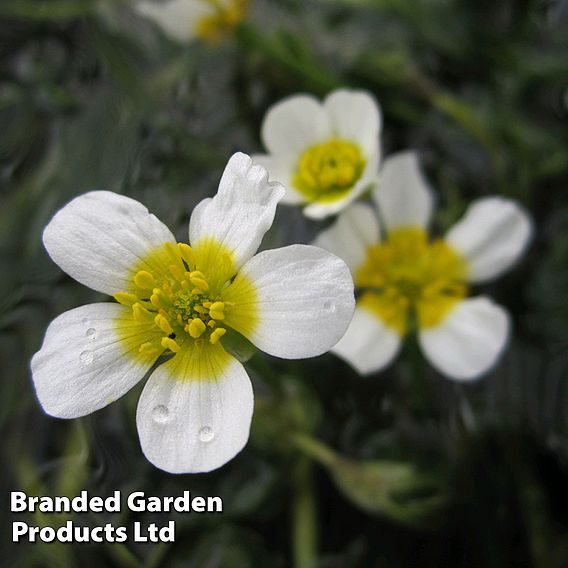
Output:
x=409 y=276
x=217 y=334
x=199 y=283
x=163 y=324
x=216 y=310
x=144 y=280
x=158 y=299
x=150 y=349
x=187 y=254
x=196 y=328
x=141 y=314
x=125 y=298
x=328 y=170
x=169 y=343
x=177 y=272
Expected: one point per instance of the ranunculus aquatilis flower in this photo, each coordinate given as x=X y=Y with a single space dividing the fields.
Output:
x=195 y=410
x=407 y=281
x=185 y=20
x=326 y=154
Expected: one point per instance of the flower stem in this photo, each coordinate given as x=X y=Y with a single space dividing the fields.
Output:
x=304 y=521
x=316 y=450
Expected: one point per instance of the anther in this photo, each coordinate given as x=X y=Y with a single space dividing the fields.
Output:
x=216 y=310
x=187 y=254
x=217 y=334
x=163 y=324
x=196 y=328
x=144 y=280
x=125 y=298
x=177 y=272
x=149 y=349
x=169 y=343
x=141 y=314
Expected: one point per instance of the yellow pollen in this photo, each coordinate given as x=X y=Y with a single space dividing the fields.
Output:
x=176 y=297
x=150 y=349
x=328 y=170
x=217 y=334
x=408 y=279
x=199 y=283
x=125 y=298
x=141 y=314
x=196 y=328
x=163 y=324
x=216 y=310
x=224 y=18
x=168 y=343
x=187 y=254
x=144 y=280
x=177 y=272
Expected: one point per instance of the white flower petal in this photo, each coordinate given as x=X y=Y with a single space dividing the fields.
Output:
x=368 y=345
x=280 y=171
x=304 y=301
x=355 y=116
x=492 y=236
x=403 y=196
x=83 y=363
x=241 y=212
x=177 y=18
x=321 y=209
x=470 y=339
x=292 y=125
x=100 y=236
x=349 y=237
x=195 y=411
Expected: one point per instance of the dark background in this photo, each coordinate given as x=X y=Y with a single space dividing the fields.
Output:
x=424 y=472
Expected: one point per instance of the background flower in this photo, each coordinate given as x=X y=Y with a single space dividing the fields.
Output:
x=195 y=411
x=326 y=154
x=408 y=280
x=184 y=20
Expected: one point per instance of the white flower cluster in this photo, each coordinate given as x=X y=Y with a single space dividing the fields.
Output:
x=184 y=300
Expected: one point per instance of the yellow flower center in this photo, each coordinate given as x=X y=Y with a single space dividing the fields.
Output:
x=178 y=292
x=409 y=277
x=327 y=171
x=226 y=16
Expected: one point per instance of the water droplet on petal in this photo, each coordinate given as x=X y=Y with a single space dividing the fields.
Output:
x=86 y=357
x=160 y=414
x=91 y=333
x=85 y=321
x=329 y=307
x=206 y=434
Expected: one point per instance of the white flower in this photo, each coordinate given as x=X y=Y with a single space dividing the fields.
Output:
x=195 y=410
x=407 y=281
x=326 y=154
x=185 y=20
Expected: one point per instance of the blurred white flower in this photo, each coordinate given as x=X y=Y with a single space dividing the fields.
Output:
x=407 y=281
x=195 y=411
x=185 y=20
x=326 y=154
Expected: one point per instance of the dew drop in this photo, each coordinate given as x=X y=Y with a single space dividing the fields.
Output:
x=91 y=333
x=86 y=357
x=329 y=307
x=85 y=321
x=160 y=414
x=206 y=434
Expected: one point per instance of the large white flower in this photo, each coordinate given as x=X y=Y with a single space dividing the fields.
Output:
x=406 y=281
x=326 y=154
x=195 y=410
x=185 y=20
